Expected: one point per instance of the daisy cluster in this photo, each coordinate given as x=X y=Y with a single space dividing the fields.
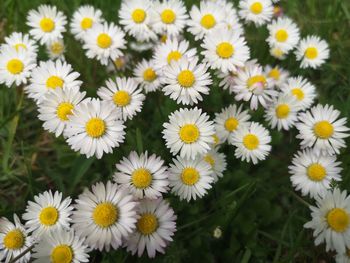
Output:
x=130 y=211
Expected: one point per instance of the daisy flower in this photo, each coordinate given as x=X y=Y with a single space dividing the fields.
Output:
x=321 y=129
x=278 y=53
x=189 y=132
x=48 y=213
x=217 y=162
x=277 y=75
x=259 y=12
x=312 y=51
x=104 y=216
x=313 y=174
x=55 y=49
x=94 y=128
x=302 y=90
x=61 y=246
x=146 y=76
x=103 y=42
x=20 y=41
x=124 y=94
x=186 y=80
x=50 y=75
x=228 y=120
x=228 y=80
x=154 y=228
x=84 y=18
x=143 y=175
x=136 y=17
x=15 y=66
x=14 y=240
x=331 y=220
x=225 y=50
x=46 y=23
x=56 y=108
x=190 y=179
x=120 y=64
x=252 y=142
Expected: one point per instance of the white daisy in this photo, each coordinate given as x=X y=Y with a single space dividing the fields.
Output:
x=190 y=179
x=61 y=246
x=14 y=239
x=321 y=129
x=228 y=120
x=94 y=128
x=103 y=42
x=252 y=142
x=56 y=108
x=55 y=49
x=48 y=213
x=278 y=53
x=331 y=220
x=277 y=75
x=146 y=76
x=120 y=64
x=124 y=94
x=104 y=216
x=154 y=228
x=189 y=132
x=259 y=12
x=228 y=80
x=51 y=75
x=312 y=51
x=20 y=41
x=46 y=23
x=217 y=163
x=225 y=50
x=313 y=174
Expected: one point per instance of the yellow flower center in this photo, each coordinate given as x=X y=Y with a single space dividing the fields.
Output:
x=258 y=79
x=208 y=21
x=277 y=52
x=225 y=50
x=209 y=159
x=119 y=62
x=251 y=141
x=139 y=15
x=54 y=82
x=281 y=35
x=56 y=48
x=104 y=41
x=174 y=55
x=323 y=129
x=189 y=133
x=95 y=127
x=14 y=239
x=121 y=98
x=48 y=216
x=216 y=139
x=298 y=93
x=47 y=24
x=163 y=38
x=256 y=8
x=168 y=16
x=63 y=110
x=316 y=172
x=147 y=224
x=62 y=254
x=86 y=23
x=105 y=214
x=338 y=219
x=141 y=178
x=19 y=45
x=186 y=78
x=282 y=111
x=15 y=66
x=189 y=176
x=275 y=74
x=231 y=124
x=149 y=75
x=311 y=53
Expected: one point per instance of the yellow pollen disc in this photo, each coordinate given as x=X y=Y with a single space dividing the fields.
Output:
x=163 y=38
x=338 y=219
x=225 y=50
x=258 y=79
x=15 y=66
x=63 y=110
x=189 y=133
x=62 y=254
x=323 y=129
x=282 y=111
x=256 y=8
x=281 y=35
x=275 y=74
x=216 y=139
x=277 y=52
x=174 y=55
x=276 y=10
x=19 y=46
x=86 y=23
x=311 y=53
x=208 y=21
x=168 y=16
x=251 y=141
x=104 y=40
x=54 y=82
x=209 y=159
x=121 y=98
x=141 y=178
x=189 y=176
x=56 y=48
x=316 y=172
x=14 y=239
x=105 y=214
x=186 y=78
x=231 y=124
x=119 y=63
x=48 y=216
x=149 y=75
x=298 y=93
x=47 y=24
x=139 y=15
x=95 y=127
x=147 y=224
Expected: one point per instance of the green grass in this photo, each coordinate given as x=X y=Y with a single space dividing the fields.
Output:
x=255 y=206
